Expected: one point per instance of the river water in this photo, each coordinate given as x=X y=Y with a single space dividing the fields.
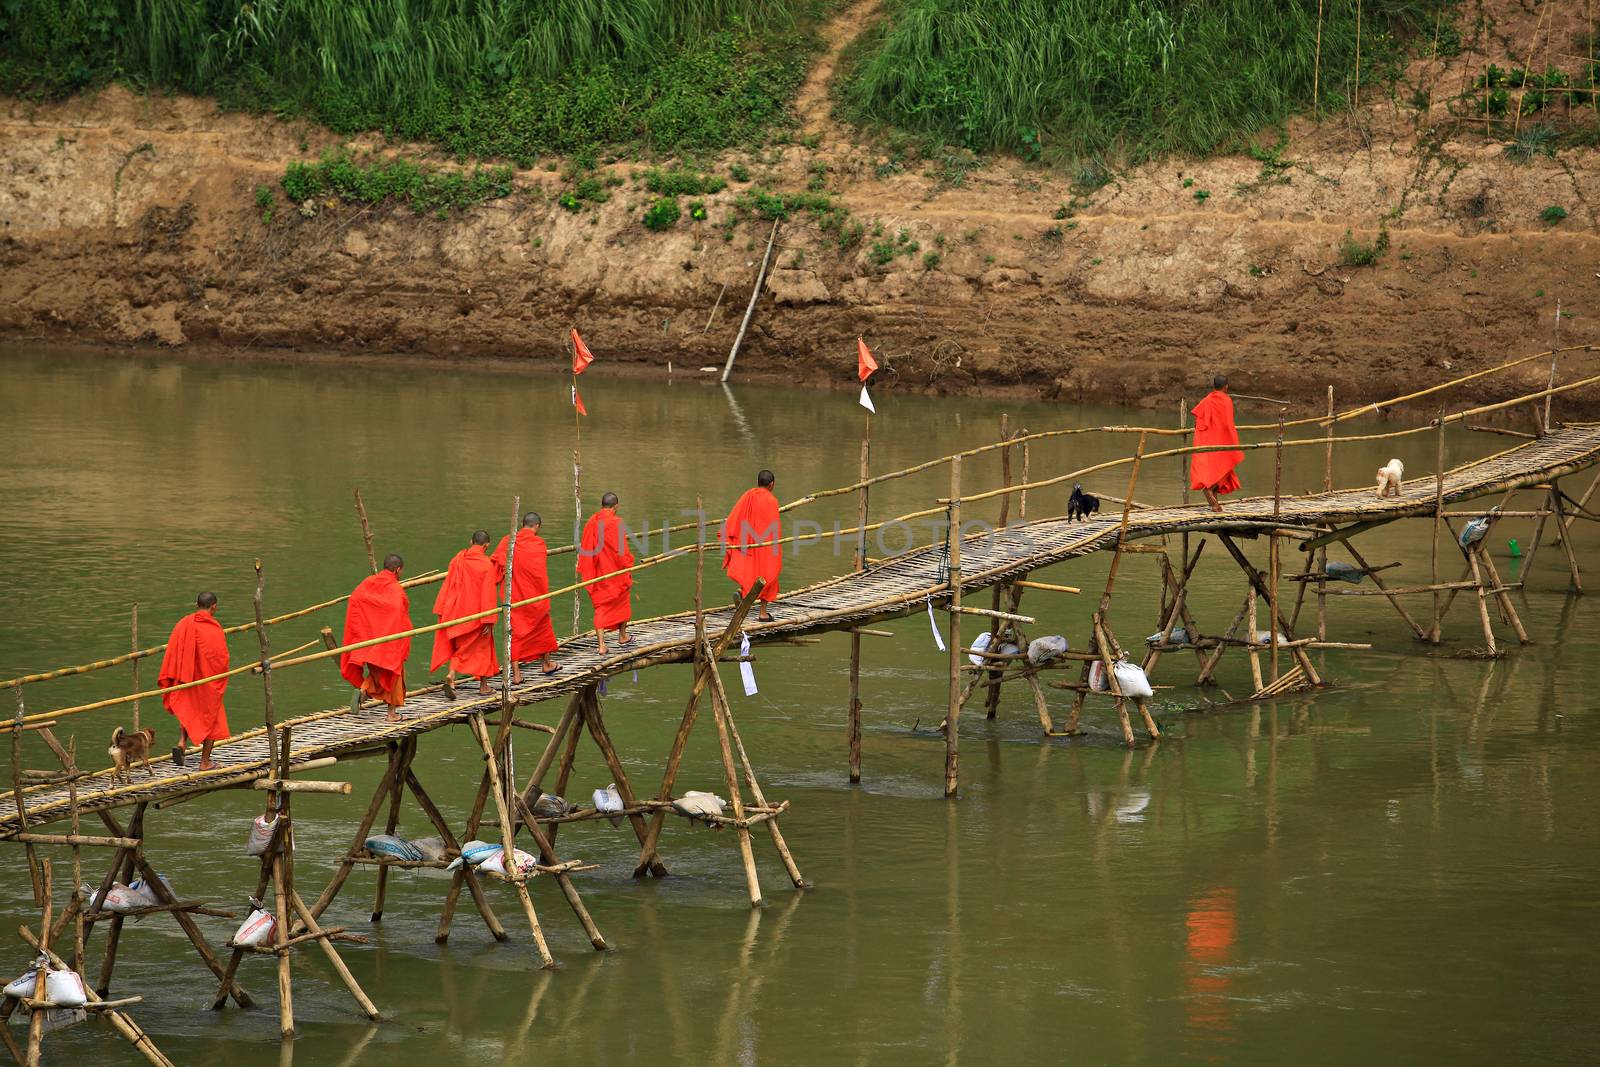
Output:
x=1402 y=866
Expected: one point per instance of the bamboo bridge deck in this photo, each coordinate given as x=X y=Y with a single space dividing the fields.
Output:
x=892 y=588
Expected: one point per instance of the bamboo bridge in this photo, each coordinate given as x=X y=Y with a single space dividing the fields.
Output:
x=943 y=576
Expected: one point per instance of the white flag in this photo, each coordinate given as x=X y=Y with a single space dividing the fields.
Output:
x=933 y=624
x=747 y=670
x=866 y=401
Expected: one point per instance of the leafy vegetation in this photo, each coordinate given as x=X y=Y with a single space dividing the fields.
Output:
x=662 y=214
x=1553 y=214
x=1358 y=253
x=374 y=180
x=507 y=78
x=1125 y=78
x=682 y=182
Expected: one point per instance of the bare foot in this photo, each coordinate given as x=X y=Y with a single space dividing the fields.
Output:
x=483 y=687
x=764 y=616
x=394 y=716
x=516 y=674
x=207 y=765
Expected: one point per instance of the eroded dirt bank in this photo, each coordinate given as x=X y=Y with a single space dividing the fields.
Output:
x=132 y=220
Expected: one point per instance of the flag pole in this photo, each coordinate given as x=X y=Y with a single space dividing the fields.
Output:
x=577 y=482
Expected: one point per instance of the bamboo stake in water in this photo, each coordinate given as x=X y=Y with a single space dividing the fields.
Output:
x=366 y=532
x=1322 y=553
x=952 y=722
x=1272 y=542
x=506 y=703
x=1438 y=517
x=854 y=710
x=135 y=666
x=266 y=679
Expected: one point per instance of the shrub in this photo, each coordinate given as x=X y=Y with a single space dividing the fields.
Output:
x=373 y=180
x=1553 y=214
x=1354 y=253
x=1532 y=142
x=265 y=202
x=681 y=182
x=662 y=214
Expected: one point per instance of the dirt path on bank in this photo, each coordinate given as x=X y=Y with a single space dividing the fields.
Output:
x=132 y=221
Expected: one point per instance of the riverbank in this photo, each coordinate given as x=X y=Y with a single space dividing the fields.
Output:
x=133 y=220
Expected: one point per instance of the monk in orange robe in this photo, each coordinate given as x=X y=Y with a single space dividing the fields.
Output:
x=754 y=520
x=197 y=649
x=379 y=606
x=532 y=636
x=468 y=589
x=1212 y=472
x=604 y=550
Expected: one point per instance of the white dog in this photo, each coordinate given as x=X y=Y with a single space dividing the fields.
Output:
x=1390 y=477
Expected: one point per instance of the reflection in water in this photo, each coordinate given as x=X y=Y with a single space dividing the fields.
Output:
x=1212 y=925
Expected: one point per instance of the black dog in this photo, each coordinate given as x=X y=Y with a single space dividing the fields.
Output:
x=1081 y=505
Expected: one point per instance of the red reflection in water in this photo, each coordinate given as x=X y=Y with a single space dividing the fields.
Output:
x=1212 y=923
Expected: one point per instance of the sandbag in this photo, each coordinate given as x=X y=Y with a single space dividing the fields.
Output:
x=551 y=806
x=261 y=829
x=980 y=644
x=1179 y=636
x=1344 y=572
x=24 y=986
x=1264 y=637
x=64 y=989
x=431 y=848
x=1097 y=677
x=1131 y=679
x=146 y=893
x=1045 y=649
x=121 y=899
x=257 y=929
x=608 y=800
x=496 y=864
x=388 y=846
x=1473 y=532
x=697 y=805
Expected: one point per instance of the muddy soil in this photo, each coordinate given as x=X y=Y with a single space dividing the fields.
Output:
x=131 y=221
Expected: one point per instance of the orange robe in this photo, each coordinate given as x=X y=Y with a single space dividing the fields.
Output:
x=754 y=519
x=197 y=649
x=531 y=633
x=378 y=606
x=1213 y=425
x=468 y=589
x=604 y=550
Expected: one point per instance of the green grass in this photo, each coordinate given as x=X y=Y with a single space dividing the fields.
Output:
x=374 y=180
x=1124 y=79
x=1357 y=253
x=507 y=78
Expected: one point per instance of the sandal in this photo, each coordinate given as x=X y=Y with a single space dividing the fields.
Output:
x=551 y=671
x=449 y=689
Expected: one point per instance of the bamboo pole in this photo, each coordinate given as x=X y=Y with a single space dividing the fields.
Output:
x=778 y=843
x=507 y=703
x=1557 y=340
x=952 y=722
x=36 y=1023
x=1322 y=554
x=280 y=894
x=853 y=713
x=991 y=699
x=750 y=309
x=366 y=533
x=508 y=839
x=273 y=766
x=135 y=648
x=1273 y=562
x=1434 y=632
x=719 y=714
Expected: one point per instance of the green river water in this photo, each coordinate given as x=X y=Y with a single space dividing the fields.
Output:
x=1402 y=867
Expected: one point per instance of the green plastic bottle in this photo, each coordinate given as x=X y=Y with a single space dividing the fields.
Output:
x=1516 y=549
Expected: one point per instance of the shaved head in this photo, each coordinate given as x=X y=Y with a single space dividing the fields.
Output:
x=532 y=519
x=609 y=500
x=393 y=562
x=765 y=479
x=480 y=537
x=1219 y=381
x=205 y=600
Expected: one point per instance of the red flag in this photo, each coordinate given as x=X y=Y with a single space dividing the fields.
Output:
x=577 y=402
x=581 y=356
x=865 y=364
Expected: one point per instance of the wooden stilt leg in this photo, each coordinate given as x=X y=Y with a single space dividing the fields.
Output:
x=547 y=856
x=1103 y=648
x=735 y=793
x=1538 y=536
x=595 y=721
x=854 y=718
x=1507 y=609
x=760 y=798
x=952 y=722
x=358 y=845
x=265 y=879
x=1210 y=666
x=1253 y=633
x=1177 y=607
x=498 y=793
x=1377 y=580
x=1566 y=542
x=447 y=914
x=1259 y=585
x=408 y=749
x=469 y=876
x=349 y=980
x=281 y=910
x=1483 y=608
x=648 y=860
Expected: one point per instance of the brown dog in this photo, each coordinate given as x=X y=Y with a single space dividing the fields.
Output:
x=126 y=748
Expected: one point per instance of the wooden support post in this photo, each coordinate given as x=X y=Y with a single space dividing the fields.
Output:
x=1175 y=610
x=760 y=798
x=363 y=828
x=1438 y=517
x=854 y=710
x=1208 y=669
x=508 y=836
x=1558 y=505
x=458 y=879
x=1273 y=565
x=719 y=714
x=366 y=533
x=369 y=1009
x=1259 y=586
x=1254 y=632
x=1322 y=553
x=1483 y=607
x=991 y=701
x=408 y=751
x=649 y=862
x=469 y=876
x=1102 y=645
x=280 y=892
x=1361 y=561
x=36 y=1023
x=952 y=722
x=595 y=721
x=1508 y=610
